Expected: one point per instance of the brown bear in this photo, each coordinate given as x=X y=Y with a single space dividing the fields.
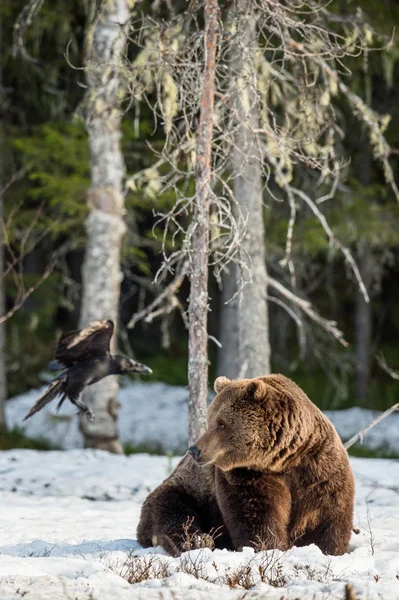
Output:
x=269 y=472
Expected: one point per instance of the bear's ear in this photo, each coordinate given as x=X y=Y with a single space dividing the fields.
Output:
x=220 y=383
x=256 y=389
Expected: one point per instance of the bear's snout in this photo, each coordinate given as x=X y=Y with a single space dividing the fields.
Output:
x=195 y=452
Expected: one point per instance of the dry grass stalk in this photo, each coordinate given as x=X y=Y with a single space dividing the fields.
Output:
x=136 y=569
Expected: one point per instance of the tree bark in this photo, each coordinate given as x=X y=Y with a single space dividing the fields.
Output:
x=228 y=363
x=253 y=345
x=105 y=225
x=3 y=372
x=199 y=239
x=363 y=326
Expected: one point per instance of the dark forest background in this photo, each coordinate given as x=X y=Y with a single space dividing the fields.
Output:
x=45 y=173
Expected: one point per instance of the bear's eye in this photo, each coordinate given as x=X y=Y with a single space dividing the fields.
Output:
x=220 y=426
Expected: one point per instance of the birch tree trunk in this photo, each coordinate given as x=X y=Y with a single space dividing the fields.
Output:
x=105 y=225
x=199 y=239
x=3 y=375
x=251 y=308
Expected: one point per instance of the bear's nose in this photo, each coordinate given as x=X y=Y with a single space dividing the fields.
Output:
x=195 y=452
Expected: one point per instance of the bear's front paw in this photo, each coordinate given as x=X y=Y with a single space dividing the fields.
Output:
x=197 y=541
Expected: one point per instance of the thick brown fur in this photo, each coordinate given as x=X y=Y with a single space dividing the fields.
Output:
x=272 y=474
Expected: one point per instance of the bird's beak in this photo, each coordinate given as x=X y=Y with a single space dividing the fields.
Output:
x=140 y=368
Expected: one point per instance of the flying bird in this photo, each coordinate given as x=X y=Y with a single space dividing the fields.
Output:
x=85 y=358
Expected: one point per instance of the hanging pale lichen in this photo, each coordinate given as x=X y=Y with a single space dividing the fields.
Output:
x=142 y=78
x=153 y=183
x=169 y=101
x=294 y=77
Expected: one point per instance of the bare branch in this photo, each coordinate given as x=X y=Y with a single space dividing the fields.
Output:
x=215 y=341
x=345 y=251
x=306 y=307
x=383 y=364
x=291 y=190
x=164 y=303
x=23 y=296
x=16 y=176
x=23 y=21
x=289 y=310
x=359 y=436
x=16 y=251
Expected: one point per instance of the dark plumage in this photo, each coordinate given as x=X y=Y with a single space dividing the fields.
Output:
x=85 y=358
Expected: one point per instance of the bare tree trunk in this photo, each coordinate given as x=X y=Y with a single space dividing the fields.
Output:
x=105 y=225
x=228 y=364
x=363 y=327
x=3 y=372
x=252 y=311
x=199 y=240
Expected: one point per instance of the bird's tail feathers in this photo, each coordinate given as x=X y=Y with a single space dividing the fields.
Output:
x=56 y=388
x=61 y=400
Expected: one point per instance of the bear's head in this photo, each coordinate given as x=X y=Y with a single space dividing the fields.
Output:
x=254 y=423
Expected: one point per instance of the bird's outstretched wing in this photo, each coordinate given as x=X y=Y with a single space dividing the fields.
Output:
x=86 y=343
x=56 y=388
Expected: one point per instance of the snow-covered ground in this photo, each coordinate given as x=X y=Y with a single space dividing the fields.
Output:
x=155 y=414
x=69 y=526
x=68 y=519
